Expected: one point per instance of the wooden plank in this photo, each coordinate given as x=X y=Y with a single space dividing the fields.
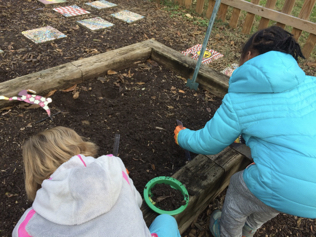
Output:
x=70 y=73
x=273 y=15
x=264 y=22
x=210 y=7
x=209 y=79
x=187 y=4
x=199 y=6
x=204 y=178
x=221 y=14
x=304 y=14
x=287 y=9
x=309 y=45
x=249 y=20
x=117 y=59
x=234 y=18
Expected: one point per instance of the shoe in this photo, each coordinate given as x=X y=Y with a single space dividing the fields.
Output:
x=247 y=231
x=214 y=223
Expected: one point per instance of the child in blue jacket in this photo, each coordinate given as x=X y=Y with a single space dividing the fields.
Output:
x=272 y=104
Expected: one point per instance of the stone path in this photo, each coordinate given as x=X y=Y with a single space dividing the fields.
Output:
x=48 y=33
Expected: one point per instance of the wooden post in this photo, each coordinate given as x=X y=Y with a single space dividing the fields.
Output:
x=199 y=6
x=249 y=20
x=209 y=11
x=309 y=45
x=264 y=22
x=222 y=12
x=287 y=9
x=304 y=14
x=234 y=18
x=187 y=4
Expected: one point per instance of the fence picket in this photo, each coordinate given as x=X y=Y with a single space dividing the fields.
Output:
x=221 y=14
x=199 y=6
x=187 y=4
x=287 y=9
x=264 y=22
x=234 y=18
x=210 y=7
x=309 y=45
x=304 y=14
x=249 y=20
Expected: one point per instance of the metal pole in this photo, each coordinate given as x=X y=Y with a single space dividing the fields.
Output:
x=207 y=36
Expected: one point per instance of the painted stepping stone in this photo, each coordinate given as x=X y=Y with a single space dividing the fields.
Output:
x=101 y=4
x=209 y=54
x=127 y=16
x=47 y=2
x=43 y=34
x=1 y=51
x=71 y=11
x=96 y=23
x=230 y=69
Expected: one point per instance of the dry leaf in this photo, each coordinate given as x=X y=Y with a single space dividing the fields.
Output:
x=50 y=93
x=140 y=83
x=181 y=91
x=188 y=16
x=129 y=74
x=70 y=88
x=76 y=95
x=111 y=72
x=161 y=198
x=153 y=167
x=311 y=64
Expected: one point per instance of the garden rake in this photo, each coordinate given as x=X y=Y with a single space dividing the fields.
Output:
x=191 y=82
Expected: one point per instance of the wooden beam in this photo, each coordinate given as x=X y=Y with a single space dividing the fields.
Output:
x=304 y=14
x=75 y=72
x=250 y=17
x=209 y=79
x=205 y=177
x=309 y=45
x=264 y=22
x=287 y=9
x=273 y=15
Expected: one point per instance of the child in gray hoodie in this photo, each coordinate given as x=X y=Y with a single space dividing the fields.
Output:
x=75 y=194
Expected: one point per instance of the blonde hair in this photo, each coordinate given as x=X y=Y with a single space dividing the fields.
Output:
x=45 y=152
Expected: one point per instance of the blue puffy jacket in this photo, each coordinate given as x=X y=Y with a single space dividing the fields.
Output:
x=272 y=103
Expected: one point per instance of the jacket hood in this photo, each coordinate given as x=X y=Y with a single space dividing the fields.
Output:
x=271 y=72
x=80 y=190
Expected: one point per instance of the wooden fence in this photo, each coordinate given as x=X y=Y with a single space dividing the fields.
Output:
x=267 y=13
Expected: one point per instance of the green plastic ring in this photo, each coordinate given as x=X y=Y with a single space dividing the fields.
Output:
x=174 y=184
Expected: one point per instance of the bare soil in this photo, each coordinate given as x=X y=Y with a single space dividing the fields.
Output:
x=140 y=103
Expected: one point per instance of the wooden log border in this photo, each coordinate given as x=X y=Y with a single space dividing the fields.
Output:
x=205 y=176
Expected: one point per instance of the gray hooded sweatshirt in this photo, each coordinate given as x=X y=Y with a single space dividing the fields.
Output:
x=85 y=197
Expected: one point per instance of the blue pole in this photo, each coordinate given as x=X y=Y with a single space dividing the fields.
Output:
x=207 y=36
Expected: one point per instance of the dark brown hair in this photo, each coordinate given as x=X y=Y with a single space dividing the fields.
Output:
x=273 y=38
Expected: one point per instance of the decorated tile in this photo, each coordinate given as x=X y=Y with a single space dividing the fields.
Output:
x=230 y=69
x=209 y=54
x=101 y=4
x=71 y=11
x=96 y=23
x=1 y=51
x=127 y=16
x=46 y=2
x=43 y=34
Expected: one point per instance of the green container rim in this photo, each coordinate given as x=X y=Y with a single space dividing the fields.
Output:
x=176 y=184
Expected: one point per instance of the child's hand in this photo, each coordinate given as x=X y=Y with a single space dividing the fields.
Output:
x=176 y=132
